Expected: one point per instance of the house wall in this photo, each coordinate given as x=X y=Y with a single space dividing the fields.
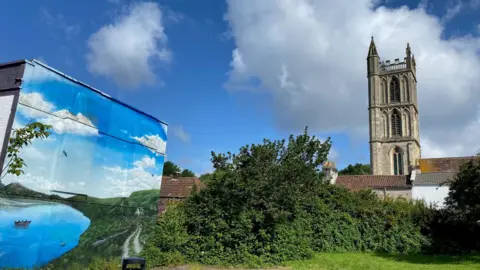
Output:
x=431 y=194
x=91 y=189
x=9 y=90
x=405 y=193
x=8 y=101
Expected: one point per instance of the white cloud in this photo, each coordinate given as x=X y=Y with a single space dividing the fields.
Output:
x=66 y=122
x=122 y=181
x=58 y=21
x=32 y=153
x=453 y=9
x=34 y=182
x=145 y=162
x=127 y=50
x=62 y=121
x=39 y=106
x=310 y=55
x=154 y=142
x=181 y=134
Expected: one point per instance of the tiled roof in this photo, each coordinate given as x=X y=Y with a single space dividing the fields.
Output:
x=178 y=187
x=358 y=182
x=449 y=164
x=433 y=178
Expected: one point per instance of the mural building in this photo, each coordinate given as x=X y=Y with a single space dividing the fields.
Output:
x=91 y=188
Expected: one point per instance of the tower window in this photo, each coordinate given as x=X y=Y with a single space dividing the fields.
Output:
x=396 y=124
x=384 y=92
x=397 y=162
x=394 y=90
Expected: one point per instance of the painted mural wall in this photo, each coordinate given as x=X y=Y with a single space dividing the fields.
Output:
x=91 y=188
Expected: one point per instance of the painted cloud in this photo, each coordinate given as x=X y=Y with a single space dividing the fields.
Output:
x=62 y=121
x=154 y=142
x=122 y=182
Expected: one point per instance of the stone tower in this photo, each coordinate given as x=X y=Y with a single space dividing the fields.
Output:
x=393 y=113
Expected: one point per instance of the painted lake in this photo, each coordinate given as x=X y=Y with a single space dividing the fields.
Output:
x=54 y=229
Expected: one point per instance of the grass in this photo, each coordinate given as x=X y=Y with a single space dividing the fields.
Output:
x=359 y=261
x=370 y=261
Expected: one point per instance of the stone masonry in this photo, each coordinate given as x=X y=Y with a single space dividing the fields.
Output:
x=393 y=113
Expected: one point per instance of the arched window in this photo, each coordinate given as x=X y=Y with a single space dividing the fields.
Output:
x=394 y=90
x=397 y=161
x=396 y=124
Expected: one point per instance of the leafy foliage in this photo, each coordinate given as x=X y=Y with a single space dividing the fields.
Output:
x=22 y=137
x=464 y=195
x=456 y=228
x=357 y=169
x=267 y=204
x=187 y=173
x=170 y=169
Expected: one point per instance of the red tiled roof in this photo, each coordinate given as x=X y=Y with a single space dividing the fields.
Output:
x=178 y=187
x=358 y=182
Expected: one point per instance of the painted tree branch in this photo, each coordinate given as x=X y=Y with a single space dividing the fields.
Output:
x=22 y=137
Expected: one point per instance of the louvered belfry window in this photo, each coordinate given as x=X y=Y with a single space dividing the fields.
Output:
x=394 y=90
x=396 y=124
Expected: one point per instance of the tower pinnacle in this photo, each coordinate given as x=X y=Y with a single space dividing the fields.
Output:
x=372 y=50
x=408 y=50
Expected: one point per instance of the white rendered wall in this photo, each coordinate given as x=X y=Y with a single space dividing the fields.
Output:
x=431 y=194
x=6 y=102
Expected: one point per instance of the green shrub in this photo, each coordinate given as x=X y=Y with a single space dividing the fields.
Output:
x=456 y=228
x=268 y=204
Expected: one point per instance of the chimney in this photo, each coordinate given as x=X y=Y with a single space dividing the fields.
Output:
x=330 y=172
x=414 y=172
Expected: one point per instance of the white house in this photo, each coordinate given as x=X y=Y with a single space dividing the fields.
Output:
x=431 y=187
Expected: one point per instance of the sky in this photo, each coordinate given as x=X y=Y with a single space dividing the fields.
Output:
x=224 y=74
x=124 y=149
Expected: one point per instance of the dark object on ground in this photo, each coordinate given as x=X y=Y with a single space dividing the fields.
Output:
x=133 y=260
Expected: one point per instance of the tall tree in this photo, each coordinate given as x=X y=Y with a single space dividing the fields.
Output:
x=171 y=169
x=357 y=169
x=187 y=173
x=464 y=195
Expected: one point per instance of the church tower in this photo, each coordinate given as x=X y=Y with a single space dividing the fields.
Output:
x=393 y=113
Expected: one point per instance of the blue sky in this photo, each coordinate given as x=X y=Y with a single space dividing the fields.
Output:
x=189 y=76
x=85 y=124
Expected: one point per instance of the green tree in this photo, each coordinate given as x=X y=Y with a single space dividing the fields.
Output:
x=357 y=169
x=22 y=137
x=255 y=198
x=456 y=228
x=464 y=195
x=187 y=173
x=267 y=204
x=205 y=177
x=171 y=169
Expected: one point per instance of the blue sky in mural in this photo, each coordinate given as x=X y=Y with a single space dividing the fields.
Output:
x=223 y=74
x=97 y=146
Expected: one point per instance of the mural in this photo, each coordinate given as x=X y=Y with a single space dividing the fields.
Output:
x=91 y=188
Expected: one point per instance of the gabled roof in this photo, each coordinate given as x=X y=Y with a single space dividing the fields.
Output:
x=358 y=182
x=178 y=187
x=447 y=164
x=436 y=178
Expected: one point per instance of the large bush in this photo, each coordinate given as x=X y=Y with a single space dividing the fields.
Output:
x=456 y=228
x=268 y=204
